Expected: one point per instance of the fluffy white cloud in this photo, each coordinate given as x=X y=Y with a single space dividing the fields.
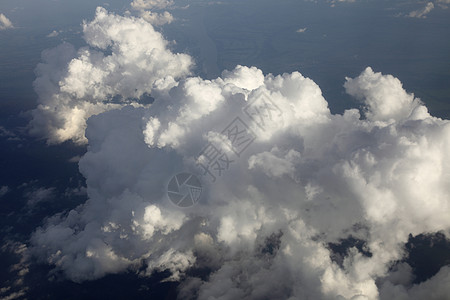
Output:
x=5 y=23
x=282 y=178
x=125 y=60
x=384 y=97
x=313 y=175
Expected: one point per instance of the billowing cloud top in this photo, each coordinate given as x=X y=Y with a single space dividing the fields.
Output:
x=124 y=60
x=282 y=176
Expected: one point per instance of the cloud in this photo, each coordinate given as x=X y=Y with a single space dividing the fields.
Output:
x=151 y=4
x=344 y=1
x=74 y=159
x=156 y=19
x=9 y=135
x=144 y=8
x=282 y=177
x=54 y=33
x=434 y=288
x=384 y=97
x=4 y=189
x=5 y=23
x=74 y=85
x=39 y=195
x=422 y=13
x=340 y=1
x=443 y=3
x=14 y=287
x=274 y=165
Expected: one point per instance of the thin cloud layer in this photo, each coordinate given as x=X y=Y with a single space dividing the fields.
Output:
x=287 y=179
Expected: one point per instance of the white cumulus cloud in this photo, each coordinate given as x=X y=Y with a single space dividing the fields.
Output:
x=384 y=96
x=73 y=85
x=282 y=176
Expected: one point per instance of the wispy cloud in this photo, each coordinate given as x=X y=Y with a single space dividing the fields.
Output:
x=5 y=23
x=423 y=12
x=4 y=190
x=39 y=195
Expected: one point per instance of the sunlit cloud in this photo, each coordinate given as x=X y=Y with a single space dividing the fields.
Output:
x=279 y=177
